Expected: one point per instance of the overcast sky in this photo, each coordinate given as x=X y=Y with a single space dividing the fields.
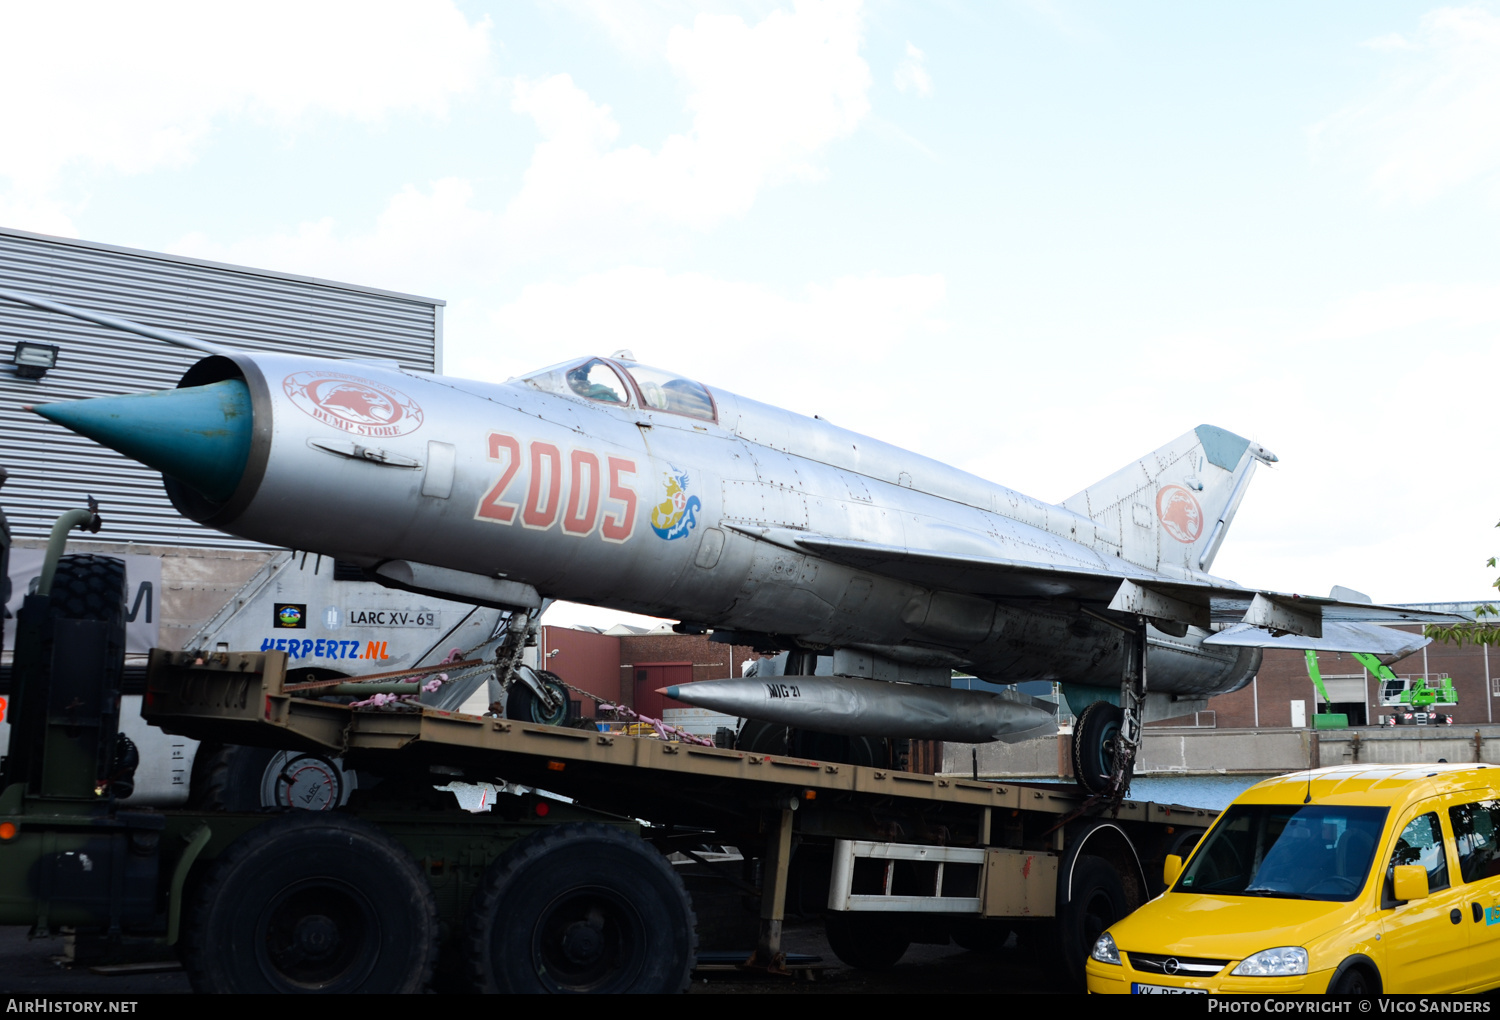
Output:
x=1033 y=239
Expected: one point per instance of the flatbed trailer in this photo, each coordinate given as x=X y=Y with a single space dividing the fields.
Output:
x=913 y=854
x=543 y=892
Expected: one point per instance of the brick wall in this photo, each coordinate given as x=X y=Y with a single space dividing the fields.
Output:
x=1283 y=679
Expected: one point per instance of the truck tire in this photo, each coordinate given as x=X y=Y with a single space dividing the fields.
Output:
x=873 y=942
x=312 y=903
x=582 y=907
x=88 y=587
x=1097 y=901
x=238 y=778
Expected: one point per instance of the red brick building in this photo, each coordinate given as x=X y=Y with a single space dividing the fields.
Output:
x=629 y=668
x=1282 y=682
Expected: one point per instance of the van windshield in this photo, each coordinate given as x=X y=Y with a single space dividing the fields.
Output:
x=1303 y=851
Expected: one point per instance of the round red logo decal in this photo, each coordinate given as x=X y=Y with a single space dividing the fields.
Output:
x=1180 y=514
x=353 y=403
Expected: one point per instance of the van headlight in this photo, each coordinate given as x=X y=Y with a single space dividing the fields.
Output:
x=1279 y=962
x=1105 y=951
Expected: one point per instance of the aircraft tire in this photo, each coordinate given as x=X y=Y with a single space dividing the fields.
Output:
x=581 y=907
x=759 y=737
x=312 y=903
x=1093 y=743
x=873 y=942
x=522 y=703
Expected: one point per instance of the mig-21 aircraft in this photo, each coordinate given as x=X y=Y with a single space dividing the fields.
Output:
x=608 y=482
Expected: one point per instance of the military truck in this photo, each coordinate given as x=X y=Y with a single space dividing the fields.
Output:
x=572 y=891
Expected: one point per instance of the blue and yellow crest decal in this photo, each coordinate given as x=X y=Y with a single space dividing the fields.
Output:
x=677 y=515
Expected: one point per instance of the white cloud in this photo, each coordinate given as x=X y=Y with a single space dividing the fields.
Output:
x=427 y=241
x=765 y=100
x=38 y=213
x=743 y=336
x=1371 y=313
x=133 y=87
x=911 y=73
x=1435 y=124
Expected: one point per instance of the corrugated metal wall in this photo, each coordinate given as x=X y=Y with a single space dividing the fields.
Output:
x=52 y=469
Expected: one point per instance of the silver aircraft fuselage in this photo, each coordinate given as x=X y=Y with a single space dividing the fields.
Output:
x=688 y=516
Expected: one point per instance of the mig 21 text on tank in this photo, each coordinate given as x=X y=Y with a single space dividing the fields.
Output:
x=603 y=481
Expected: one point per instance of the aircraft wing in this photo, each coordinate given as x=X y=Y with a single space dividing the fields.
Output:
x=1123 y=588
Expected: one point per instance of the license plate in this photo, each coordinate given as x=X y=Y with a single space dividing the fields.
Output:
x=1136 y=988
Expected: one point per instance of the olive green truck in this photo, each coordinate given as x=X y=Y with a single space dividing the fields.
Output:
x=570 y=890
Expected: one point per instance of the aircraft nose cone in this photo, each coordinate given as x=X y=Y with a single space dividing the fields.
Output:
x=198 y=435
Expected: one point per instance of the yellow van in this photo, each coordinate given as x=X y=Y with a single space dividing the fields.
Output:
x=1351 y=880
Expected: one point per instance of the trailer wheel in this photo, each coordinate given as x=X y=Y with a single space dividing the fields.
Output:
x=312 y=903
x=866 y=941
x=239 y=778
x=582 y=907
x=1094 y=745
x=1097 y=900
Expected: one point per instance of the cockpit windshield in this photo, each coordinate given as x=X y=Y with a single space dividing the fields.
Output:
x=1299 y=852
x=594 y=379
x=600 y=380
x=664 y=391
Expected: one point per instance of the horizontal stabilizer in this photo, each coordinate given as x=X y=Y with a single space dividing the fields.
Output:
x=1121 y=587
x=1386 y=644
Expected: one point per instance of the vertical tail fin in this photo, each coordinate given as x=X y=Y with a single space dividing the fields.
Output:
x=1172 y=508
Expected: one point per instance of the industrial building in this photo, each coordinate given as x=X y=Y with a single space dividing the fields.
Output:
x=181 y=572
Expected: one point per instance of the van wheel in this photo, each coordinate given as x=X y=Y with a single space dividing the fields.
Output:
x=1356 y=977
x=312 y=903
x=582 y=907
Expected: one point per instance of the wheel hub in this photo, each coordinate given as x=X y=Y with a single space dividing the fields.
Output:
x=582 y=943
x=315 y=937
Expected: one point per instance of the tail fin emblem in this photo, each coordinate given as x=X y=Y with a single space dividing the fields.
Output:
x=1180 y=513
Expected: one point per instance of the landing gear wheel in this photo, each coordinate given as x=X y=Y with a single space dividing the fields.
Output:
x=866 y=941
x=522 y=703
x=1097 y=901
x=1094 y=742
x=582 y=907
x=313 y=903
x=759 y=737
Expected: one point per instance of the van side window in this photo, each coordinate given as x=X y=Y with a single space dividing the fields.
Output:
x=1421 y=843
x=1474 y=829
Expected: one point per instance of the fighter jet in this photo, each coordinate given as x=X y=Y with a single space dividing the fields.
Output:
x=605 y=481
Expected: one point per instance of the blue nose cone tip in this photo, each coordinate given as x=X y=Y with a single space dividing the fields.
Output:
x=198 y=435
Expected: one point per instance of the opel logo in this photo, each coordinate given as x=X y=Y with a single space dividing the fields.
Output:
x=1170 y=965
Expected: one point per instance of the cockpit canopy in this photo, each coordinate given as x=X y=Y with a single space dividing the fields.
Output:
x=626 y=384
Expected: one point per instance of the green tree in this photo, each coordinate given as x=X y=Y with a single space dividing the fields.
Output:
x=1480 y=632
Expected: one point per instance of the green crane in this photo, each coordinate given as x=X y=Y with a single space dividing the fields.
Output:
x=1417 y=703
